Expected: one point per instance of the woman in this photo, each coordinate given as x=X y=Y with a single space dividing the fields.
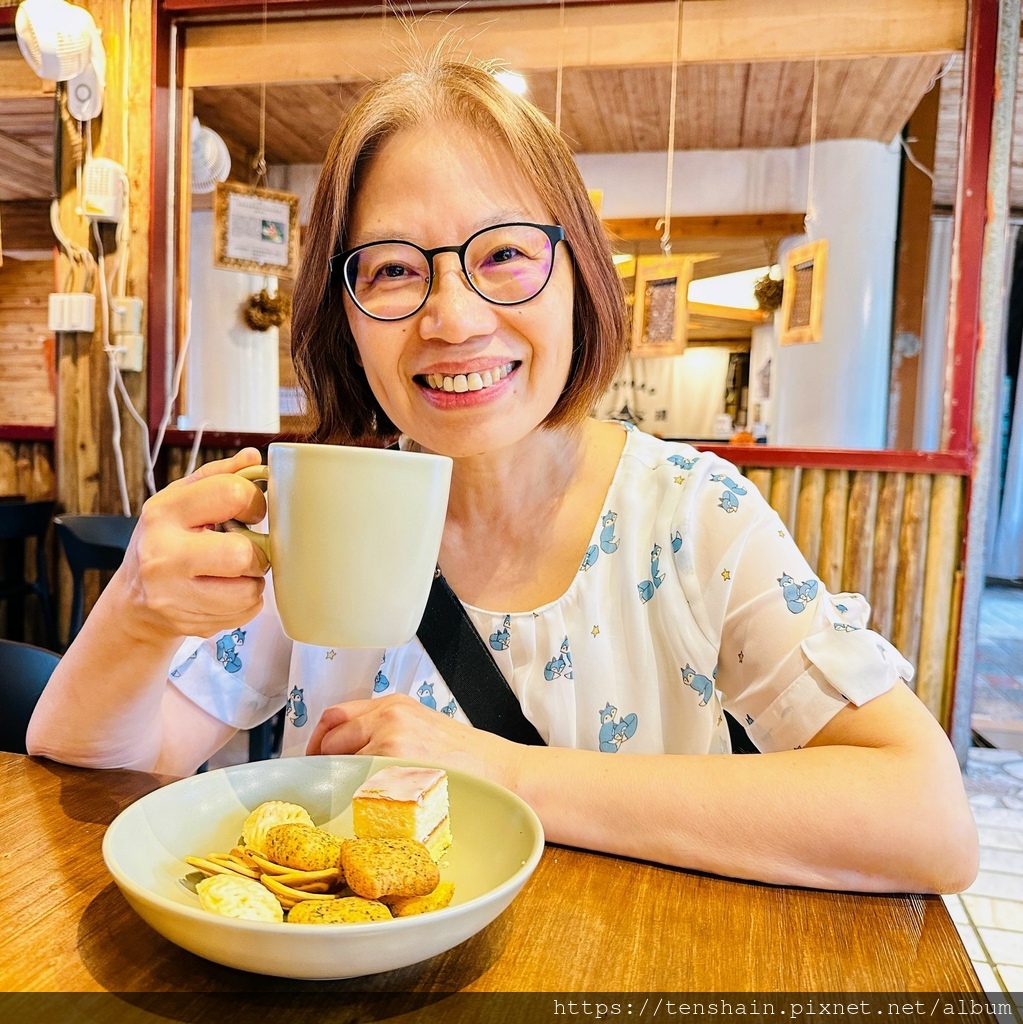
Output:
x=457 y=290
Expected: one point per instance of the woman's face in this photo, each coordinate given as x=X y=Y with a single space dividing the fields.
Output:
x=435 y=186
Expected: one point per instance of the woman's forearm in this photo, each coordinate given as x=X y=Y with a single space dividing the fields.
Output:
x=874 y=802
x=102 y=705
x=829 y=817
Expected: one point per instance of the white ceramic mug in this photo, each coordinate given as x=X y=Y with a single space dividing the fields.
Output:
x=353 y=542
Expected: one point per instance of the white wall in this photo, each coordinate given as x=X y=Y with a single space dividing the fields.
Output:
x=232 y=379
x=833 y=394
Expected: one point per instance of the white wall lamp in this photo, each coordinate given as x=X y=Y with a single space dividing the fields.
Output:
x=61 y=42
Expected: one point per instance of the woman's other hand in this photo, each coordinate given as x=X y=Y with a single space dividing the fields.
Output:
x=182 y=578
x=400 y=726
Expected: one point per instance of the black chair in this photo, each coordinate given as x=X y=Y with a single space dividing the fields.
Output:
x=91 y=542
x=20 y=520
x=24 y=671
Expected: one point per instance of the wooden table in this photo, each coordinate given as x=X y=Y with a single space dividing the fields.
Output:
x=585 y=923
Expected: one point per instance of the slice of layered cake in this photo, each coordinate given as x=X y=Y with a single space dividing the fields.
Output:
x=404 y=803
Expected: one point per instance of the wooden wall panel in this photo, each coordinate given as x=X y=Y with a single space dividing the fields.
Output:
x=26 y=344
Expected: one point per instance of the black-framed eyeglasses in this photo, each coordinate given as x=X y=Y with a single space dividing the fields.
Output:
x=507 y=264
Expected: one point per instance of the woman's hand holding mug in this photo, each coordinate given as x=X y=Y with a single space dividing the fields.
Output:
x=182 y=577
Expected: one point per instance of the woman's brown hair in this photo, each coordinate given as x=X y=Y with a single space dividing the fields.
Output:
x=442 y=88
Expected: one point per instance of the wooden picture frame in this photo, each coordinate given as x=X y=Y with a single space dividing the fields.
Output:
x=802 y=302
x=255 y=230
x=660 y=306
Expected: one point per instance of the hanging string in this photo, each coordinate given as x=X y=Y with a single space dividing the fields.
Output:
x=259 y=163
x=808 y=220
x=666 y=233
x=561 y=65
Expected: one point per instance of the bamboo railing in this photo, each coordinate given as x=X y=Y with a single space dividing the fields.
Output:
x=895 y=538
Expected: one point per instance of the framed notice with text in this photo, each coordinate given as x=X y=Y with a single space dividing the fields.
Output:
x=255 y=229
x=802 y=300
x=660 y=305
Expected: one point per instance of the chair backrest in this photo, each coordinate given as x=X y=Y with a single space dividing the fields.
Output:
x=24 y=671
x=24 y=519
x=94 y=541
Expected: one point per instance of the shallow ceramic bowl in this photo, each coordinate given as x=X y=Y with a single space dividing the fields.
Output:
x=497 y=844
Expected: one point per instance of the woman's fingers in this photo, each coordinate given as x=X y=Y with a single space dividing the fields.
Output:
x=186 y=578
x=207 y=501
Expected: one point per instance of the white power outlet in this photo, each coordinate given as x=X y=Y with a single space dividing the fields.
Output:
x=129 y=352
x=126 y=315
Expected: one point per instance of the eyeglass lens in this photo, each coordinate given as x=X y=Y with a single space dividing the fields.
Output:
x=506 y=265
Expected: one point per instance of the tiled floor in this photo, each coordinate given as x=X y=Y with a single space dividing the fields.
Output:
x=989 y=915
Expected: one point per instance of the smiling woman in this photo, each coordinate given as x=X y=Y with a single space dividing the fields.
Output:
x=631 y=590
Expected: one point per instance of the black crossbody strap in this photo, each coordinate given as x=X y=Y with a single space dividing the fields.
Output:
x=467 y=666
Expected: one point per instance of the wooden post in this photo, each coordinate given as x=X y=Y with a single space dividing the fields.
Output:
x=833 y=525
x=858 y=574
x=808 y=515
x=942 y=557
x=909 y=589
x=83 y=445
x=784 y=483
x=886 y=552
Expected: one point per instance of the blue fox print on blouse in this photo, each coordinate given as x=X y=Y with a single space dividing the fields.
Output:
x=682 y=462
x=647 y=587
x=701 y=684
x=380 y=681
x=501 y=639
x=295 y=709
x=608 y=542
x=450 y=708
x=227 y=655
x=560 y=664
x=676 y=542
x=425 y=695
x=846 y=627
x=613 y=734
x=729 y=499
x=797 y=595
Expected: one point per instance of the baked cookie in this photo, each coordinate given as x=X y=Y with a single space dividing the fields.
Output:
x=303 y=847
x=268 y=814
x=347 y=910
x=406 y=906
x=388 y=867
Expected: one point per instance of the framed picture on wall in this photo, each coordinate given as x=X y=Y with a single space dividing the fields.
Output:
x=255 y=229
x=803 y=295
x=660 y=305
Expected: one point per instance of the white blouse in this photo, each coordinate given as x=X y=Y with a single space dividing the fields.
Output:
x=690 y=597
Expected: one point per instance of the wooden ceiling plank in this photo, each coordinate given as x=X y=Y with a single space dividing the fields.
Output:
x=918 y=82
x=593 y=36
x=761 y=101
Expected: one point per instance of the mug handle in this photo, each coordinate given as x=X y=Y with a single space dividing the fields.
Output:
x=261 y=540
